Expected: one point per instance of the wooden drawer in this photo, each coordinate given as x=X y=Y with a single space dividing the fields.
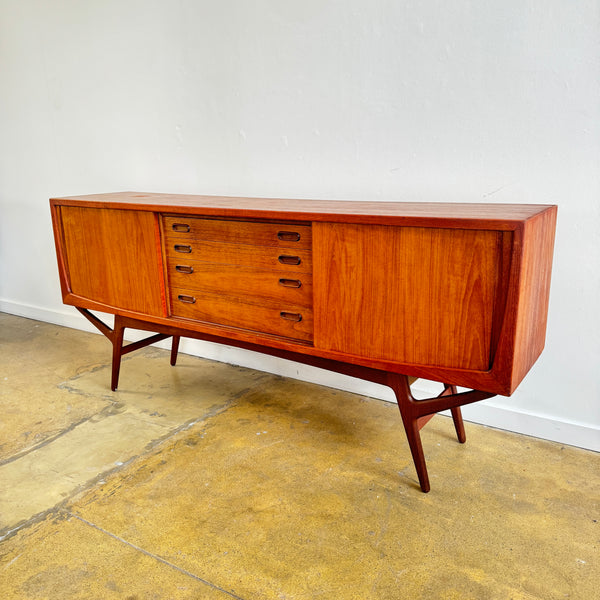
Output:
x=281 y=235
x=284 y=285
x=296 y=260
x=249 y=312
x=249 y=275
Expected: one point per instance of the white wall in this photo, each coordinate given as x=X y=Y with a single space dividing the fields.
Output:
x=495 y=101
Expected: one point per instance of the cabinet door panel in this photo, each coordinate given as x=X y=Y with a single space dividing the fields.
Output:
x=407 y=294
x=113 y=258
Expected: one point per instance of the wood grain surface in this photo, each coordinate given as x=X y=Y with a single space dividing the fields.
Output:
x=451 y=292
x=112 y=258
x=415 y=295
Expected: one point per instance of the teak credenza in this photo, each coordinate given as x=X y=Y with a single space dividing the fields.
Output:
x=456 y=293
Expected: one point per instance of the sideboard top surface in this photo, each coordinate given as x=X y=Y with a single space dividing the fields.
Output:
x=439 y=214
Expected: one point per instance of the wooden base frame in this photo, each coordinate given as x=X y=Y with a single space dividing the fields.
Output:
x=415 y=413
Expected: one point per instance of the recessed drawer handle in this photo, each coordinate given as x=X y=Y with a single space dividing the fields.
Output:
x=185 y=248
x=288 y=236
x=184 y=227
x=291 y=283
x=289 y=260
x=290 y=316
x=184 y=269
x=186 y=299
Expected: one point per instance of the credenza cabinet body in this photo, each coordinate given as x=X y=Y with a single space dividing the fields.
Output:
x=451 y=292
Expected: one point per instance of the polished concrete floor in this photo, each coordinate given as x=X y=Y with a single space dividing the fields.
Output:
x=206 y=480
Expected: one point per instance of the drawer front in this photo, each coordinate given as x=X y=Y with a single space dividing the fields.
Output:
x=281 y=235
x=286 y=286
x=294 y=260
x=249 y=312
x=244 y=274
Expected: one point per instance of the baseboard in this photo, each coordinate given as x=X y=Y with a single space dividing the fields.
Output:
x=487 y=412
x=67 y=317
x=493 y=414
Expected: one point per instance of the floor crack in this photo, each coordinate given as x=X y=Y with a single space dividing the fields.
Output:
x=152 y=555
x=105 y=412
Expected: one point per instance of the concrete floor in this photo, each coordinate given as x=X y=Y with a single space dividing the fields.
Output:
x=212 y=481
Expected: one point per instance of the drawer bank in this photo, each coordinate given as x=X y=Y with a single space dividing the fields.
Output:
x=387 y=292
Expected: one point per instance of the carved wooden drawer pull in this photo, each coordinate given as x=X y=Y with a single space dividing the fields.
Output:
x=185 y=248
x=289 y=316
x=291 y=283
x=184 y=227
x=288 y=236
x=184 y=269
x=186 y=299
x=288 y=260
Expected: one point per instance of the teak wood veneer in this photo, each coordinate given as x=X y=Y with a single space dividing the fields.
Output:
x=456 y=293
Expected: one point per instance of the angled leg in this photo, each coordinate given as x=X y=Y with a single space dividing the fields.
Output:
x=399 y=383
x=413 y=435
x=119 y=349
x=117 y=342
x=450 y=390
x=458 y=424
x=413 y=411
x=174 y=350
x=115 y=336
